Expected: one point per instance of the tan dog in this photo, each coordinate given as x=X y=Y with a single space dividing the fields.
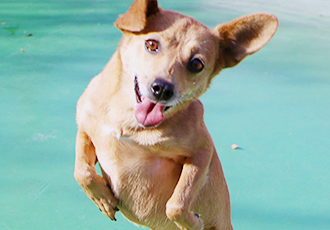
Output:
x=141 y=119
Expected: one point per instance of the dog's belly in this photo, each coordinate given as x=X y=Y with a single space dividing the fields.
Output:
x=142 y=181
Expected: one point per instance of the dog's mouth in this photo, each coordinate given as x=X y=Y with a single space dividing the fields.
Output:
x=147 y=112
x=137 y=91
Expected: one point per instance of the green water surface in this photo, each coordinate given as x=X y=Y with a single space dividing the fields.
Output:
x=275 y=105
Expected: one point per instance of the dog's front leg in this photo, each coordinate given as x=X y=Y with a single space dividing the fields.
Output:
x=191 y=180
x=94 y=185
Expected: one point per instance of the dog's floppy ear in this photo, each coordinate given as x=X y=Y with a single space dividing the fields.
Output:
x=135 y=19
x=244 y=36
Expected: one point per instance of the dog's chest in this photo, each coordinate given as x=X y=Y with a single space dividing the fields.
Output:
x=142 y=182
x=129 y=165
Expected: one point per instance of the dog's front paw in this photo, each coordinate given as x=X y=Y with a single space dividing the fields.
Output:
x=185 y=220
x=99 y=192
x=193 y=222
x=196 y=220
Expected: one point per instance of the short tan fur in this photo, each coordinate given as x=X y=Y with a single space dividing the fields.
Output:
x=141 y=119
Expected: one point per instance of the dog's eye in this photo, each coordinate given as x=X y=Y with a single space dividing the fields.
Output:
x=196 y=65
x=152 y=46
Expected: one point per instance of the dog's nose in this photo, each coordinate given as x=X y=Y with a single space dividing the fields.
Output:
x=162 y=90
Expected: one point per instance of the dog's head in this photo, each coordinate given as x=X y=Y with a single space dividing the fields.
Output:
x=172 y=58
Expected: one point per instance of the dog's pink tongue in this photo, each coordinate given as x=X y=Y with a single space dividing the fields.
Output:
x=148 y=113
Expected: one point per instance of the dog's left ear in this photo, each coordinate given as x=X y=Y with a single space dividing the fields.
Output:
x=244 y=36
x=135 y=19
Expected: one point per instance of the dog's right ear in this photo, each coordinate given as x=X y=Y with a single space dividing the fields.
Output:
x=135 y=19
x=244 y=36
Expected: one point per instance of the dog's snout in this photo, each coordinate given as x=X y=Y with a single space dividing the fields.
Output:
x=162 y=90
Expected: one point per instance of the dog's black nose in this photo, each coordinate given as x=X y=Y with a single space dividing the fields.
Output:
x=162 y=90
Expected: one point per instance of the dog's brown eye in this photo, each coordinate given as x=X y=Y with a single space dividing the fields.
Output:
x=152 y=46
x=196 y=65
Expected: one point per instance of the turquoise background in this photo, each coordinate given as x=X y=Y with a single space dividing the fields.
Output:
x=275 y=105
